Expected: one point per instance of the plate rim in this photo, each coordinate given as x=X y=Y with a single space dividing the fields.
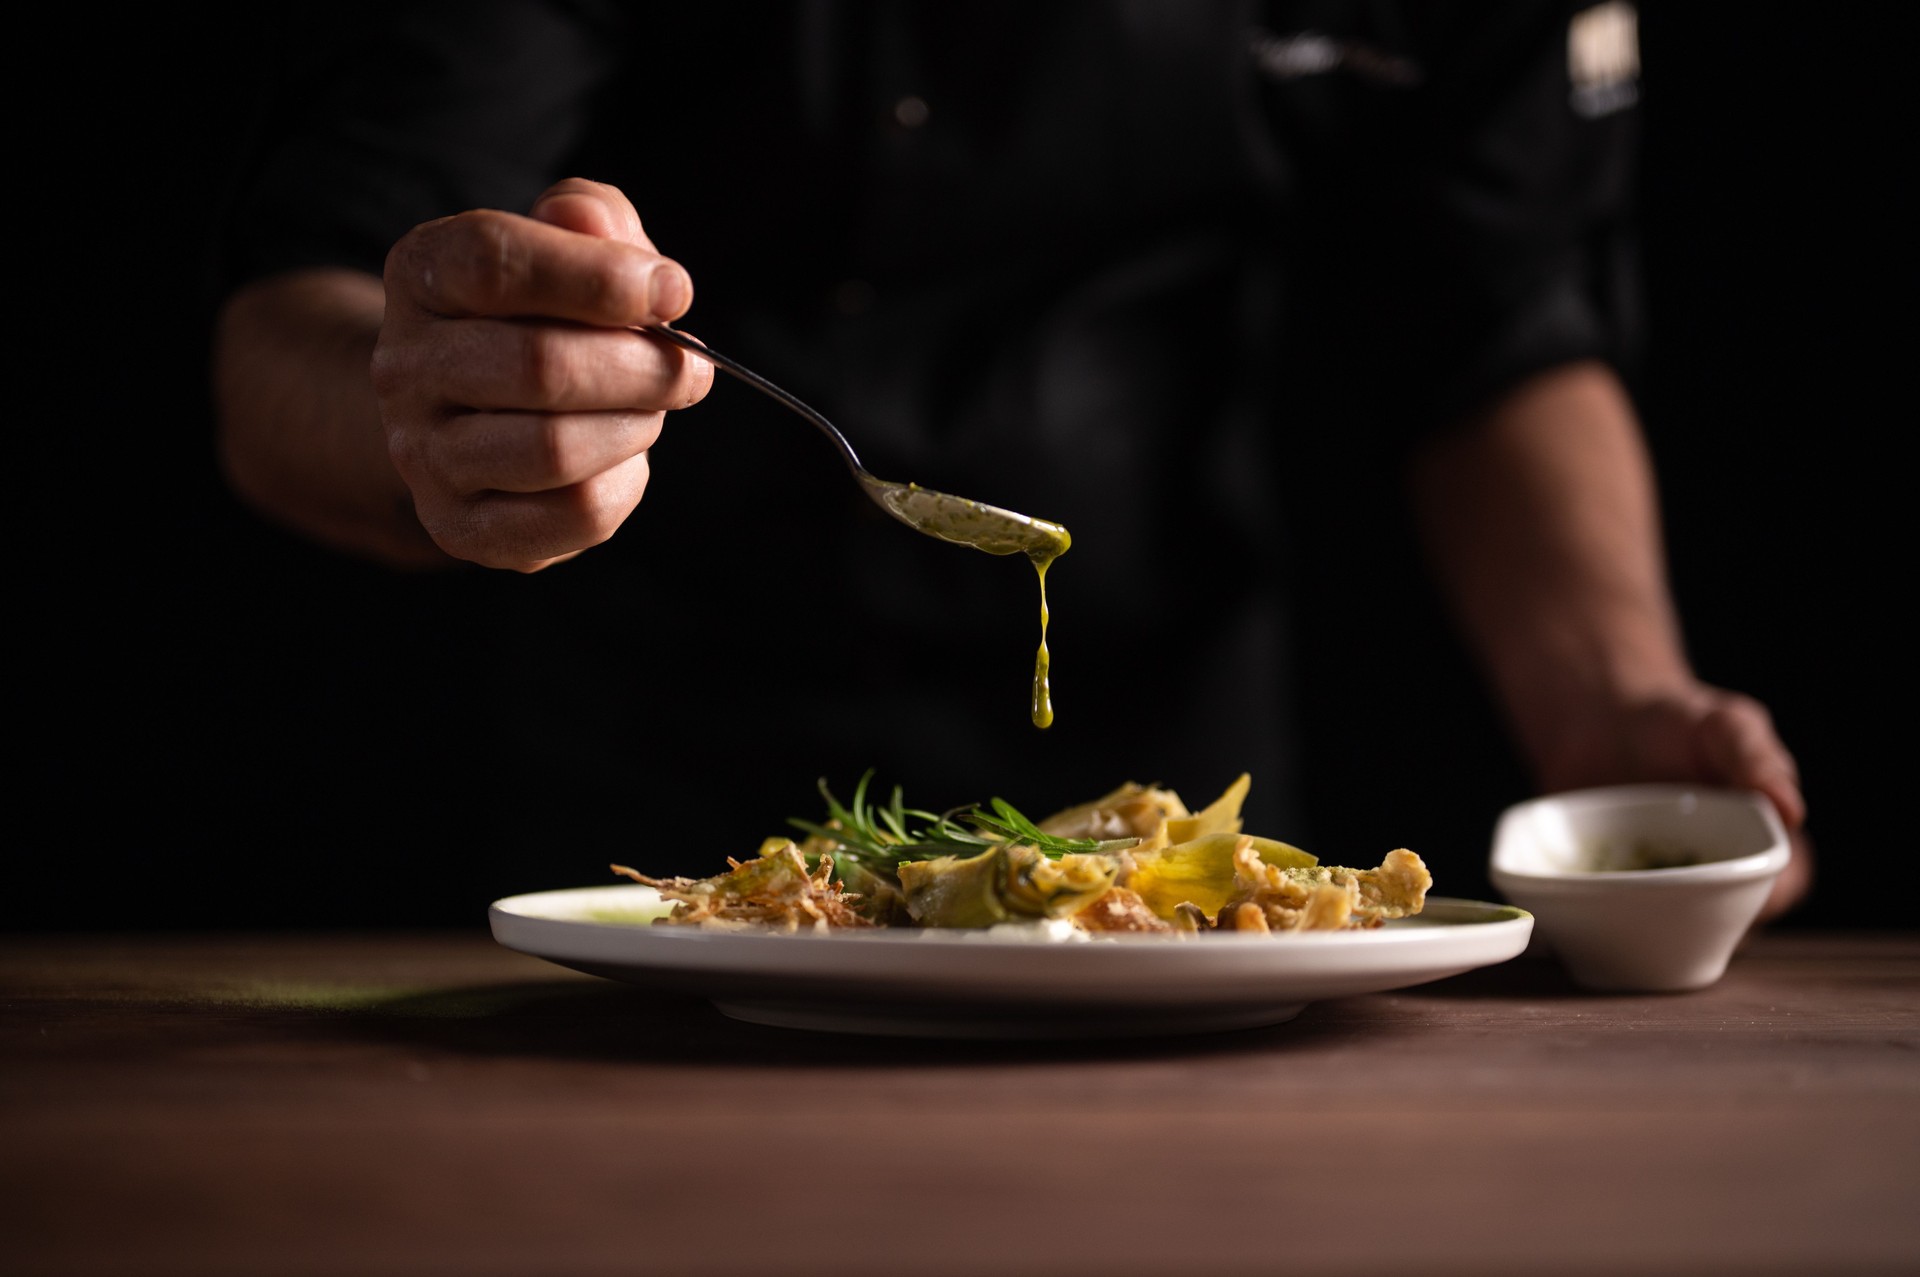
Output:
x=967 y=983
x=1415 y=930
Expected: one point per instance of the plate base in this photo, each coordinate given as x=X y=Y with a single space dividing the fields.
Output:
x=1003 y=1022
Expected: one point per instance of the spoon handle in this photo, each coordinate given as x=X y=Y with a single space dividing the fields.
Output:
x=765 y=387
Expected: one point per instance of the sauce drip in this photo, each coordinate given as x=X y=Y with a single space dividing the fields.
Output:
x=989 y=528
x=974 y=523
x=1042 y=663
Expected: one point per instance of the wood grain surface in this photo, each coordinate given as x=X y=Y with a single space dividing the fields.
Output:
x=424 y=1104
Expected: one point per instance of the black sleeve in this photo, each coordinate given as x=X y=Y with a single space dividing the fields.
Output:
x=1468 y=194
x=377 y=117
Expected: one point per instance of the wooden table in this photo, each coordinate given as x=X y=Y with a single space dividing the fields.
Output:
x=424 y=1104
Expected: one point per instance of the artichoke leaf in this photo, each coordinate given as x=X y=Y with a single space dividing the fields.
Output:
x=880 y=899
x=1200 y=871
x=1035 y=886
x=1001 y=884
x=955 y=891
x=1221 y=816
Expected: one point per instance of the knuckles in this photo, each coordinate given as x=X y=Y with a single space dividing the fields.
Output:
x=591 y=511
x=482 y=264
x=486 y=262
x=391 y=368
x=471 y=263
x=525 y=533
x=570 y=450
x=549 y=365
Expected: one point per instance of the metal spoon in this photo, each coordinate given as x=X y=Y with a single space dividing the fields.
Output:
x=957 y=519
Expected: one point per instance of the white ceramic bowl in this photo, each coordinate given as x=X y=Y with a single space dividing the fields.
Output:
x=1641 y=887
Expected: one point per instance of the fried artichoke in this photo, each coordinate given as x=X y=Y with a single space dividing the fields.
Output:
x=1003 y=884
x=1135 y=860
x=775 y=891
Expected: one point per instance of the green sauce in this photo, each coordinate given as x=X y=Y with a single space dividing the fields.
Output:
x=990 y=528
x=1042 y=663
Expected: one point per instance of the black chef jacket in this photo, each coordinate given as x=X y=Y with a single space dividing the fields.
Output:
x=1168 y=273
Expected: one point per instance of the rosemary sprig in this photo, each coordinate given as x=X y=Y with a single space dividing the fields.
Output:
x=884 y=835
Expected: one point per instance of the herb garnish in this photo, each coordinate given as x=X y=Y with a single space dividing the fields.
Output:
x=884 y=835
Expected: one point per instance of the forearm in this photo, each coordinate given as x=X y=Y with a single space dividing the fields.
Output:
x=300 y=433
x=1543 y=523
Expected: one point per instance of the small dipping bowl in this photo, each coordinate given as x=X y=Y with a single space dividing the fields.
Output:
x=1641 y=887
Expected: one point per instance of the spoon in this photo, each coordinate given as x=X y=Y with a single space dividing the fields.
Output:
x=951 y=518
x=960 y=520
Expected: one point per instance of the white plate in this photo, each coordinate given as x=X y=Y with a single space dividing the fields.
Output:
x=974 y=984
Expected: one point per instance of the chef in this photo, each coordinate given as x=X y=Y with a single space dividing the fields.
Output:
x=1216 y=286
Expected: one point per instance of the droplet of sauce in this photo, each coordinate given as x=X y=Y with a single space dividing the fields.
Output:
x=997 y=531
x=1042 y=663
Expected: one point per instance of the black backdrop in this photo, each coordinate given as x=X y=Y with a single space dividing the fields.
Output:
x=219 y=726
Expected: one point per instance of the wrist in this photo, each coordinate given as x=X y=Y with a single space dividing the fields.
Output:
x=1580 y=697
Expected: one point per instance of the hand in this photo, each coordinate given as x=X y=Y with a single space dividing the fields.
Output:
x=1702 y=734
x=518 y=402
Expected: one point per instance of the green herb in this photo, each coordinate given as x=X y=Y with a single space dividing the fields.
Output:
x=885 y=835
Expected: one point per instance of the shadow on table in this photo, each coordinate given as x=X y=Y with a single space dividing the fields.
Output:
x=610 y=1021
x=1525 y=979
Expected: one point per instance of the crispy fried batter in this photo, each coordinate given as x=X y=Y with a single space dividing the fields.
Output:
x=1131 y=811
x=775 y=892
x=1210 y=877
x=1120 y=910
x=1298 y=907
x=1324 y=897
x=1243 y=917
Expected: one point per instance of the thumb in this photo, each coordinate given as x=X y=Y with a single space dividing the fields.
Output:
x=591 y=208
x=604 y=212
x=1741 y=748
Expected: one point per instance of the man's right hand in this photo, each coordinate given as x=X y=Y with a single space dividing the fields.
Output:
x=518 y=402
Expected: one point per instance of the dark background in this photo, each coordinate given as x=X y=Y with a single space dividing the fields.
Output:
x=221 y=726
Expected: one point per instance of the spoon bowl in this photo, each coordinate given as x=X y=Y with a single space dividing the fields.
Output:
x=960 y=520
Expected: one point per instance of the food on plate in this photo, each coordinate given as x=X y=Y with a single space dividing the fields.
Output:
x=775 y=889
x=1133 y=861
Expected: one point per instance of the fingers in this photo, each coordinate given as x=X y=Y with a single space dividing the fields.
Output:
x=521 y=442
x=488 y=263
x=1695 y=733
x=1738 y=745
x=526 y=531
x=495 y=365
x=519 y=404
x=591 y=208
x=526 y=452
x=1794 y=884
